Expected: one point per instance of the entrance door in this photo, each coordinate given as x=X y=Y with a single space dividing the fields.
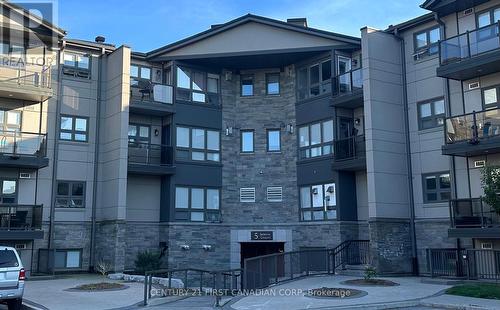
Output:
x=261 y=273
x=254 y=249
x=346 y=127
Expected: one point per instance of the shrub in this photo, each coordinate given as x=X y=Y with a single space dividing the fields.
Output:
x=103 y=267
x=370 y=273
x=490 y=181
x=147 y=261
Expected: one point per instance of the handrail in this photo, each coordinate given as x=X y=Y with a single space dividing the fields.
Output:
x=23 y=143
x=472 y=212
x=352 y=83
x=18 y=217
x=150 y=153
x=27 y=75
x=469 y=31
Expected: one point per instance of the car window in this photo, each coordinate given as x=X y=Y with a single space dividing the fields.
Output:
x=8 y=259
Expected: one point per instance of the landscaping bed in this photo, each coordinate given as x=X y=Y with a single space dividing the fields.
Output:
x=99 y=287
x=479 y=290
x=370 y=282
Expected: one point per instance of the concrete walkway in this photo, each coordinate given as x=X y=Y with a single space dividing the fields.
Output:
x=52 y=294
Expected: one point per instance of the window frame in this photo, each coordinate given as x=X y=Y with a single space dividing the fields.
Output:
x=438 y=191
x=4 y=126
x=321 y=83
x=268 y=75
x=434 y=117
x=70 y=195
x=137 y=138
x=190 y=208
x=206 y=151
x=66 y=250
x=139 y=77
x=190 y=72
x=76 y=70
x=269 y=130
x=253 y=141
x=242 y=77
x=311 y=209
x=73 y=131
x=483 y=101
x=321 y=145
x=491 y=12
x=15 y=196
x=424 y=51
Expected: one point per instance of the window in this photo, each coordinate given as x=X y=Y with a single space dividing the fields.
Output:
x=316 y=140
x=430 y=114
x=426 y=42
x=436 y=187
x=8 y=191
x=13 y=53
x=314 y=80
x=70 y=194
x=247 y=142
x=318 y=202
x=247 y=194
x=73 y=128
x=197 y=204
x=138 y=133
x=138 y=73
x=76 y=65
x=8 y=258
x=246 y=85
x=274 y=140
x=197 y=86
x=273 y=84
x=68 y=259
x=10 y=120
x=197 y=144
x=489 y=17
x=275 y=194
x=490 y=97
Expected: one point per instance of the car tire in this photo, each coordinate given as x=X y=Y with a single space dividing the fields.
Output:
x=15 y=304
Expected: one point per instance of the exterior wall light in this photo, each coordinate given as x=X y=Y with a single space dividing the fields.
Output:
x=185 y=247
x=289 y=128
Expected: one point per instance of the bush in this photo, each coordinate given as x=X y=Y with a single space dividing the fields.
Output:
x=370 y=273
x=103 y=267
x=147 y=261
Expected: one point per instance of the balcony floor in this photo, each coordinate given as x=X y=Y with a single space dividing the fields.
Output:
x=20 y=161
x=24 y=92
x=480 y=65
x=150 y=169
x=485 y=146
x=474 y=232
x=21 y=234
x=354 y=164
x=351 y=101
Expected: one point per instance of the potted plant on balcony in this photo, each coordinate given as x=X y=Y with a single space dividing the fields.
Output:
x=490 y=182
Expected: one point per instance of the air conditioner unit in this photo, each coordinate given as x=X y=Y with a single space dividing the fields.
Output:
x=24 y=175
x=474 y=85
x=479 y=163
x=468 y=12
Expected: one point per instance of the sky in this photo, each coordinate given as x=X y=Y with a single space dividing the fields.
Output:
x=148 y=24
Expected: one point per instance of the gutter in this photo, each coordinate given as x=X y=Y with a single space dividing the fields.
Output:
x=411 y=197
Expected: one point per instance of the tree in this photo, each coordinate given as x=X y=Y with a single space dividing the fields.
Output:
x=490 y=181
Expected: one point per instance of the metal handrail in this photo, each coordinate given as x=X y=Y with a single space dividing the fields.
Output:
x=353 y=148
x=150 y=153
x=472 y=217
x=336 y=91
x=6 y=219
x=39 y=148
x=26 y=75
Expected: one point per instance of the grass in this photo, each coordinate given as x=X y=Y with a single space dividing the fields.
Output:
x=482 y=290
x=99 y=286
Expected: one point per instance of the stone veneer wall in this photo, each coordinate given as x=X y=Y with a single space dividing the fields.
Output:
x=111 y=243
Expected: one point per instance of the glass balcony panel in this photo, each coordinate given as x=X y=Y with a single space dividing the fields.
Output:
x=22 y=143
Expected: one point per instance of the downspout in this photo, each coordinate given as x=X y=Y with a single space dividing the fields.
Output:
x=96 y=162
x=411 y=198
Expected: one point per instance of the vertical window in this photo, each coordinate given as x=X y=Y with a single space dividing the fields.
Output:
x=318 y=202
x=194 y=85
x=10 y=120
x=246 y=85
x=247 y=142
x=138 y=73
x=314 y=80
x=487 y=18
x=490 y=97
x=431 y=114
x=73 y=128
x=197 y=144
x=426 y=42
x=316 y=140
x=274 y=140
x=76 y=65
x=197 y=204
x=213 y=83
x=437 y=187
x=273 y=83
x=138 y=133
x=8 y=191
x=70 y=194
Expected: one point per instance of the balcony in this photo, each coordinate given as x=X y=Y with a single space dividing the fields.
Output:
x=24 y=81
x=472 y=218
x=20 y=222
x=471 y=54
x=151 y=98
x=150 y=159
x=350 y=154
x=23 y=150
x=347 y=89
x=476 y=133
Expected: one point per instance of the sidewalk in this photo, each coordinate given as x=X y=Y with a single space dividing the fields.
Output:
x=52 y=294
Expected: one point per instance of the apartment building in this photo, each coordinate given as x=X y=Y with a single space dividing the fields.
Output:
x=256 y=136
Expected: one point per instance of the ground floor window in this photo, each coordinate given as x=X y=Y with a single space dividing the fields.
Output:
x=68 y=259
x=318 y=202
x=197 y=204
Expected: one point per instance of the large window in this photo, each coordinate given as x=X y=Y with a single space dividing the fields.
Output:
x=138 y=73
x=314 y=80
x=437 y=187
x=247 y=85
x=318 y=202
x=12 y=52
x=197 y=204
x=8 y=191
x=74 y=128
x=426 y=42
x=247 y=141
x=10 y=121
x=488 y=17
x=316 y=140
x=76 y=65
x=273 y=83
x=70 y=194
x=198 y=144
x=273 y=140
x=431 y=114
x=490 y=97
x=138 y=133
x=68 y=259
x=197 y=86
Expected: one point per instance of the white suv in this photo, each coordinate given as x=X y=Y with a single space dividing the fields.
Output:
x=12 y=276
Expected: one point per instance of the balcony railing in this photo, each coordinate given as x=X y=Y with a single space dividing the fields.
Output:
x=472 y=127
x=150 y=154
x=348 y=82
x=350 y=148
x=17 y=73
x=23 y=143
x=469 y=44
x=147 y=92
x=20 y=217
x=472 y=213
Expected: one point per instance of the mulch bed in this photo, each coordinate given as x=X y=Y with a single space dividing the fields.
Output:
x=336 y=292
x=99 y=287
x=370 y=282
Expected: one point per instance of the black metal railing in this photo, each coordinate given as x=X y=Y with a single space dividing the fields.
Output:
x=469 y=44
x=472 y=212
x=262 y=271
x=15 y=217
x=150 y=154
x=23 y=143
x=347 y=83
x=471 y=264
x=472 y=127
x=23 y=74
x=350 y=148
x=216 y=283
x=147 y=91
